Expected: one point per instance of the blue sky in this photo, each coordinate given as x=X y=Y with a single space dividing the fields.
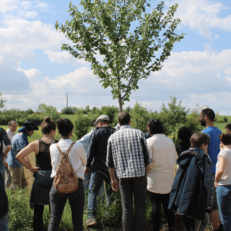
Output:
x=34 y=69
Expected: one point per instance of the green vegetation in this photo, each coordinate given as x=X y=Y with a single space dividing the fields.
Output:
x=129 y=54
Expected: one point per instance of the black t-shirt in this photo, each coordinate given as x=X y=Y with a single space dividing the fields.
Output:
x=182 y=146
x=3 y=138
x=3 y=200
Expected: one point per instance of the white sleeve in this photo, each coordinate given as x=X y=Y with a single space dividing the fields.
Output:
x=223 y=154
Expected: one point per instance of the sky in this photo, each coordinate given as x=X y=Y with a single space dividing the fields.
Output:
x=34 y=69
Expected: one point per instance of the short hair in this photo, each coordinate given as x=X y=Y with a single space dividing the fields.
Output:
x=103 y=122
x=64 y=126
x=47 y=125
x=199 y=138
x=11 y=122
x=155 y=126
x=225 y=138
x=228 y=126
x=124 y=118
x=209 y=113
x=184 y=133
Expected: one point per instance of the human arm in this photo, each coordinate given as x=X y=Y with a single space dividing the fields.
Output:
x=82 y=154
x=222 y=164
x=114 y=183
x=22 y=155
x=146 y=153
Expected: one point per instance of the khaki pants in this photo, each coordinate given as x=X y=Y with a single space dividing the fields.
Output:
x=18 y=177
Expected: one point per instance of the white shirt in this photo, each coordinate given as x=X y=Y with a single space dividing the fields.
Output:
x=226 y=176
x=163 y=153
x=77 y=157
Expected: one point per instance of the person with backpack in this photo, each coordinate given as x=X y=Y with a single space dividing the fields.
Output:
x=42 y=182
x=68 y=160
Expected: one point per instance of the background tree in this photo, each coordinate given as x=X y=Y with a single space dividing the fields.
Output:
x=105 y=28
x=2 y=101
x=81 y=125
x=174 y=115
x=49 y=110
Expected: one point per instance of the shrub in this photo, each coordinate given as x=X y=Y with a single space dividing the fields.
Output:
x=81 y=124
x=29 y=111
x=225 y=119
x=68 y=111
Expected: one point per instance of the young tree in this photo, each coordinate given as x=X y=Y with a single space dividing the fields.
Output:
x=105 y=28
x=2 y=101
x=174 y=115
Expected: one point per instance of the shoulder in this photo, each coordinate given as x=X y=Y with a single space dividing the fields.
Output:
x=225 y=153
x=78 y=145
x=53 y=147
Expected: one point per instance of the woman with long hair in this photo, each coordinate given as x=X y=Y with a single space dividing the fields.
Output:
x=42 y=182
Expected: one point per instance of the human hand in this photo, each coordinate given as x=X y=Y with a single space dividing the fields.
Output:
x=86 y=170
x=115 y=186
x=34 y=169
x=215 y=183
x=5 y=164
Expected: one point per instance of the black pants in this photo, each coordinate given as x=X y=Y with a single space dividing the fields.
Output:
x=58 y=202
x=195 y=225
x=157 y=200
x=38 y=217
x=128 y=187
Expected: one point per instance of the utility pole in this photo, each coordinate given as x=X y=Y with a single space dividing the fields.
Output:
x=67 y=100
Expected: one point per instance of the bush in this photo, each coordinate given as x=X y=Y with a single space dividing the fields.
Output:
x=29 y=111
x=68 y=111
x=81 y=124
x=225 y=119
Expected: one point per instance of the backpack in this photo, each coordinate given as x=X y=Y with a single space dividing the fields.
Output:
x=65 y=179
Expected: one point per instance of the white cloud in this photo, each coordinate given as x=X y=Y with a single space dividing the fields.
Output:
x=64 y=57
x=202 y=15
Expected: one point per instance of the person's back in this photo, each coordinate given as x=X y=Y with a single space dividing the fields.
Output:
x=127 y=147
x=214 y=147
x=128 y=154
x=164 y=159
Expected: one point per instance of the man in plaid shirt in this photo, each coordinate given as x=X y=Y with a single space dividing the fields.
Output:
x=127 y=153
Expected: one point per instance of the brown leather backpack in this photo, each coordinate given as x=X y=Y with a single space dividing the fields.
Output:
x=65 y=179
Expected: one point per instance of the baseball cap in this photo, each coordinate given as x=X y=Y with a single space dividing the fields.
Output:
x=102 y=117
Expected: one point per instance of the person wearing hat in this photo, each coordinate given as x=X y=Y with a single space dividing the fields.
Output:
x=20 y=141
x=96 y=163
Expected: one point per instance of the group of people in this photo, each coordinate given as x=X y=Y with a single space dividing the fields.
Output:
x=192 y=181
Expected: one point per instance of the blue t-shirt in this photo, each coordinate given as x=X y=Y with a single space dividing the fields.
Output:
x=214 y=147
x=18 y=143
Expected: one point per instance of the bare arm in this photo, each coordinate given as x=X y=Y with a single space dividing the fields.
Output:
x=114 y=183
x=221 y=169
x=22 y=155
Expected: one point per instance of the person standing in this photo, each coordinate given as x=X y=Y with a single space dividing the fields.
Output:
x=19 y=142
x=223 y=180
x=127 y=154
x=42 y=182
x=3 y=140
x=206 y=119
x=12 y=127
x=97 y=152
x=193 y=186
x=78 y=160
x=160 y=176
x=184 y=135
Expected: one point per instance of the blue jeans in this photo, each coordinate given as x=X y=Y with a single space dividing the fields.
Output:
x=224 y=204
x=8 y=177
x=4 y=224
x=96 y=181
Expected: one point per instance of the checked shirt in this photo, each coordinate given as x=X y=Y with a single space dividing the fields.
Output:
x=127 y=152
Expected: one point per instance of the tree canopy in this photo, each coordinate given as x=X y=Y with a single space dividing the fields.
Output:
x=132 y=39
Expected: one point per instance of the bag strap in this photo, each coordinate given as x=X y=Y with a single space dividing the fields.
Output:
x=69 y=149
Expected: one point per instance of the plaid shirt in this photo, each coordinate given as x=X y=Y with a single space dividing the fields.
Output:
x=127 y=151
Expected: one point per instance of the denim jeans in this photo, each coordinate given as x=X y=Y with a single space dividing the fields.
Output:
x=195 y=225
x=8 y=177
x=96 y=181
x=4 y=223
x=58 y=202
x=128 y=187
x=224 y=204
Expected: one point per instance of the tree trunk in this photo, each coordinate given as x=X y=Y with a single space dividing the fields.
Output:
x=120 y=103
